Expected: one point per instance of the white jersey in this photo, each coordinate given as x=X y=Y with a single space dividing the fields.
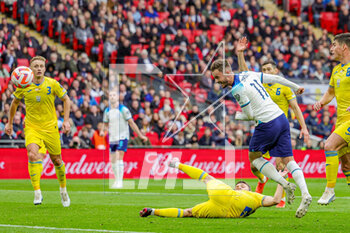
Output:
x=118 y=123
x=254 y=100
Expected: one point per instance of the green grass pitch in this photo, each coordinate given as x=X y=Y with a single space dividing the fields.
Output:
x=95 y=207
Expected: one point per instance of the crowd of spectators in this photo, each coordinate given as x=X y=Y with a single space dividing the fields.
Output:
x=179 y=37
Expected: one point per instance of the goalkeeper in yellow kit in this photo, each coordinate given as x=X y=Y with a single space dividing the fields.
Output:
x=224 y=202
x=41 y=129
x=337 y=144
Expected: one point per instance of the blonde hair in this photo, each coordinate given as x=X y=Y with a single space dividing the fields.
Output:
x=37 y=58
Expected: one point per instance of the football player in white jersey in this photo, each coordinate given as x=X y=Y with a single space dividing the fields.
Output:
x=119 y=118
x=272 y=132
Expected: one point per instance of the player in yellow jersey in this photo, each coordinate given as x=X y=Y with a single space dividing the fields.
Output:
x=337 y=144
x=224 y=202
x=284 y=97
x=41 y=129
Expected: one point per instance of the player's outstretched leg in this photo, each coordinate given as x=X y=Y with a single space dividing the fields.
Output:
x=298 y=176
x=266 y=168
x=193 y=172
x=169 y=212
x=61 y=176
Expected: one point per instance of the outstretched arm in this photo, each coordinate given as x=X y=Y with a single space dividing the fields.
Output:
x=271 y=201
x=241 y=46
x=270 y=78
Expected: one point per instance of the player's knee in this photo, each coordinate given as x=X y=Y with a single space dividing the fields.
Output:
x=280 y=166
x=328 y=146
x=56 y=161
x=32 y=156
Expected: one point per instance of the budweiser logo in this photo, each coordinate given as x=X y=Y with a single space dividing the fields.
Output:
x=83 y=167
x=157 y=164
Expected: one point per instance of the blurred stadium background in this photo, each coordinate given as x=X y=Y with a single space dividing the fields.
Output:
x=81 y=39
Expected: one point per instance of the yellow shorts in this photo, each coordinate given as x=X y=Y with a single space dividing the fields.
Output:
x=49 y=140
x=343 y=131
x=220 y=195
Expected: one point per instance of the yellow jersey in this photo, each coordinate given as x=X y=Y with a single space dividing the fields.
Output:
x=244 y=203
x=40 y=103
x=340 y=81
x=281 y=95
x=229 y=203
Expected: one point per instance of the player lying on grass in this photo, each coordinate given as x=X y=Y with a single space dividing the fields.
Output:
x=224 y=202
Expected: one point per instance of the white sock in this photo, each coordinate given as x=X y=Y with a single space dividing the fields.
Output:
x=298 y=176
x=266 y=168
x=115 y=170
x=330 y=189
x=38 y=191
x=120 y=170
x=63 y=190
x=152 y=213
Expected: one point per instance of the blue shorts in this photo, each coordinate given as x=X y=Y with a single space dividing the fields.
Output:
x=273 y=136
x=119 y=145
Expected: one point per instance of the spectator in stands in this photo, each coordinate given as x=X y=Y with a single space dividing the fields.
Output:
x=325 y=127
x=17 y=123
x=84 y=65
x=75 y=143
x=317 y=9
x=180 y=139
x=151 y=13
x=206 y=139
x=45 y=15
x=312 y=121
x=32 y=9
x=99 y=139
x=344 y=19
x=225 y=15
x=85 y=141
x=78 y=118
x=331 y=6
x=94 y=117
x=4 y=120
x=83 y=32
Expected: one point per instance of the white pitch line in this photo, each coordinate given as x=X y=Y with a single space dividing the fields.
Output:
x=137 y=193
x=67 y=229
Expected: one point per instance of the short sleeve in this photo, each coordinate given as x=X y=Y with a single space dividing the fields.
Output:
x=126 y=113
x=19 y=93
x=238 y=93
x=59 y=90
x=289 y=93
x=331 y=82
x=105 y=115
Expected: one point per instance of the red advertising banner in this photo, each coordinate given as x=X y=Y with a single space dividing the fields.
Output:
x=152 y=163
